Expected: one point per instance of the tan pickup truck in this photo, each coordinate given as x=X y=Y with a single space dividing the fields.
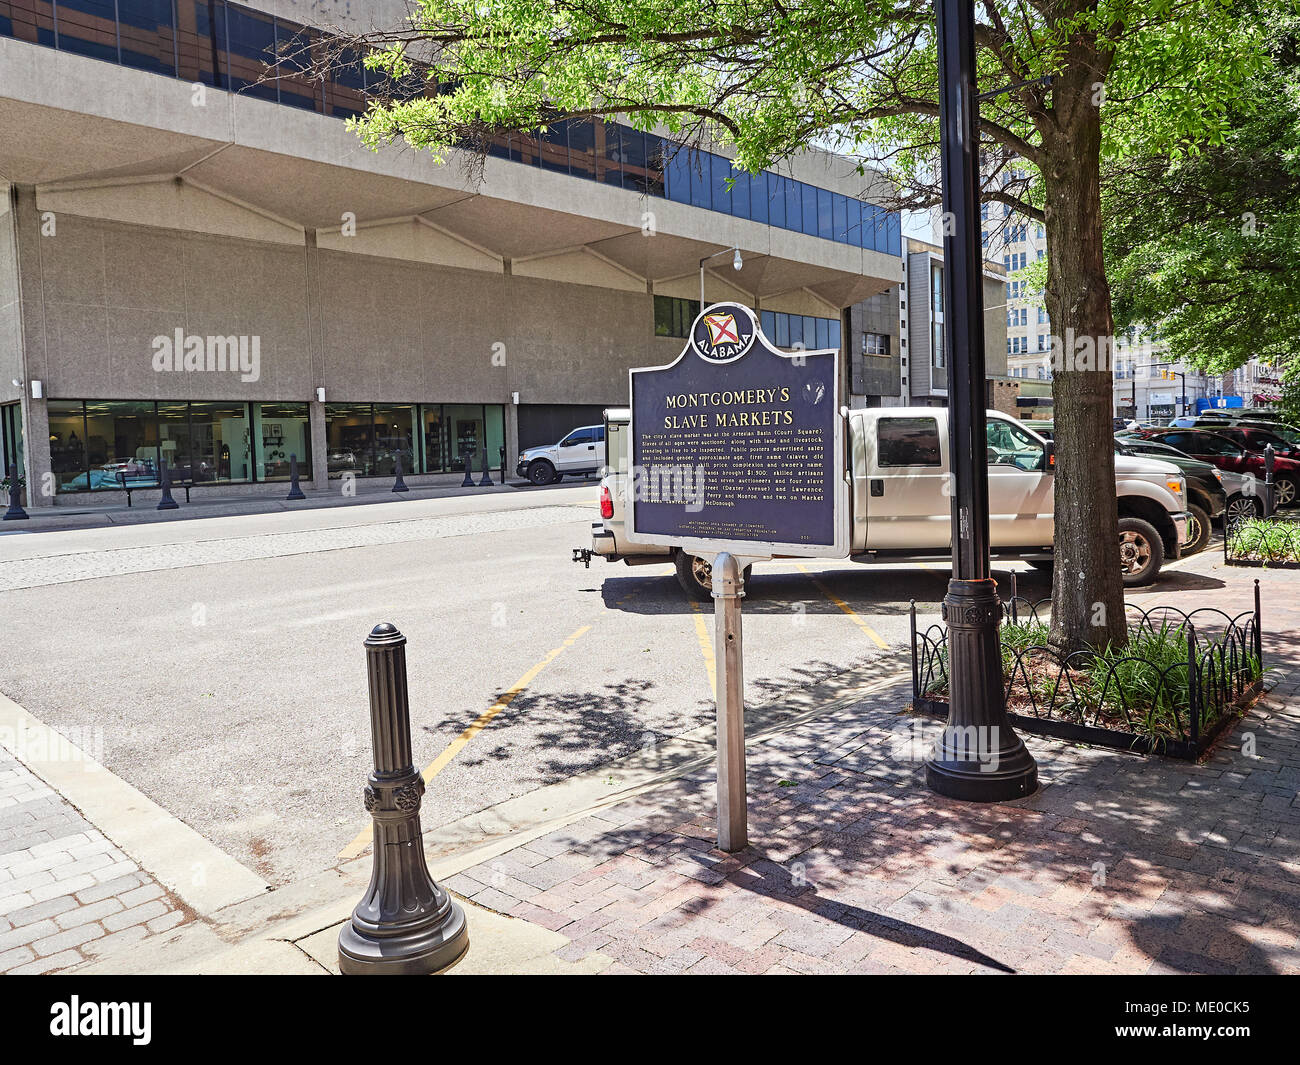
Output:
x=900 y=498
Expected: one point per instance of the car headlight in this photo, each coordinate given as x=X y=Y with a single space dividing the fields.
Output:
x=1175 y=485
x=1218 y=474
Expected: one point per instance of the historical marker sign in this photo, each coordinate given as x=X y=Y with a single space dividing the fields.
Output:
x=738 y=446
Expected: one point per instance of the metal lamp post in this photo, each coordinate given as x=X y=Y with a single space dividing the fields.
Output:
x=979 y=757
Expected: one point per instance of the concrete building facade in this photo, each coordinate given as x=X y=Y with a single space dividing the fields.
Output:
x=926 y=357
x=202 y=269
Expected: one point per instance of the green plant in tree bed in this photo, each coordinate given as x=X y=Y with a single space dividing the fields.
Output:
x=1265 y=540
x=1141 y=688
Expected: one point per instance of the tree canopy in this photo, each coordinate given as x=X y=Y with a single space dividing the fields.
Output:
x=1203 y=248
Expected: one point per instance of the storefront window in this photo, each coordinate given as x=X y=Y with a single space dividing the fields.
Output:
x=435 y=440
x=121 y=446
x=220 y=443
x=349 y=431
x=496 y=432
x=281 y=430
x=67 y=441
x=465 y=429
x=174 y=439
x=394 y=435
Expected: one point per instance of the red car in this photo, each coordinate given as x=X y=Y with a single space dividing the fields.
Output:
x=1256 y=438
x=1216 y=448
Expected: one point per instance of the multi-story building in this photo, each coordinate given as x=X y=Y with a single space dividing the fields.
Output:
x=924 y=368
x=1016 y=242
x=201 y=267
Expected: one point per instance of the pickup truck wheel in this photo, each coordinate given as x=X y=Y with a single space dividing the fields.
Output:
x=1141 y=552
x=541 y=472
x=695 y=575
x=1199 y=533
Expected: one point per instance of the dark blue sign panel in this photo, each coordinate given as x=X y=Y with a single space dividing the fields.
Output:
x=737 y=445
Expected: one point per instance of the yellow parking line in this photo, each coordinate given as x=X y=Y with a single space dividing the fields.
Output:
x=706 y=647
x=479 y=724
x=853 y=614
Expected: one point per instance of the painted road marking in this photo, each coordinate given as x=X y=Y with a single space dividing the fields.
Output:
x=872 y=634
x=706 y=647
x=479 y=724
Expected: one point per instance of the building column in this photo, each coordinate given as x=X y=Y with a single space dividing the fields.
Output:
x=319 y=450
x=512 y=436
x=31 y=340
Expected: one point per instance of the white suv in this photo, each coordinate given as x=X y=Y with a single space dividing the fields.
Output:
x=581 y=452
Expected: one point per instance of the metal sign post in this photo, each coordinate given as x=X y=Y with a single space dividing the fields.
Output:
x=729 y=659
x=737 y=455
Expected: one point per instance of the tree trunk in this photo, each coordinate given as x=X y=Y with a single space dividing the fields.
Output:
x=1087 y=586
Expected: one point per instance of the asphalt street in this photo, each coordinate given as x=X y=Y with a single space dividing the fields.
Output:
x=222 y=658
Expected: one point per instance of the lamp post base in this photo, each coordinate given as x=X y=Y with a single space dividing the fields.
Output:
x=418 y=952
x=979 y=757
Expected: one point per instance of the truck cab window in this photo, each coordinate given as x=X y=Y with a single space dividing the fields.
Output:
x=907 y=442
x=1009 y=445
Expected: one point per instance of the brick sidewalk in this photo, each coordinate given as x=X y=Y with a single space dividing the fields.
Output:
x=1119 y=864
x=67 y=894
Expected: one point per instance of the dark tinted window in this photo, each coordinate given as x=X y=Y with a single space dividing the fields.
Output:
x=579 y=436
x=907 y=442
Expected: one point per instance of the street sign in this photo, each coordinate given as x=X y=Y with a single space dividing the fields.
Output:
x=738 y=446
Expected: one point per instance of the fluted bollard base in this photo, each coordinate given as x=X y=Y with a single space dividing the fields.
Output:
x=405 y=924
x=979 y=757
x=468 y=482
x=399 y=485
x=422 y=934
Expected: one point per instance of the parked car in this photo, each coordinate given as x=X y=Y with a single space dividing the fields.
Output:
x=580 y=452
x=1254 y=438
x=1207 y=497
x=1289 y=433
x=1227 y=454
x=900 y=510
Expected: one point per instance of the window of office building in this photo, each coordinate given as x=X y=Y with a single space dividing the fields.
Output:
x=281 y=431
x=220 y=442
x=349 y=439
x=466 y=430
x=102 y=444
x=875 y=344
x=938 y=351
x=394 y=436
x=800 y=330
x=673 y=317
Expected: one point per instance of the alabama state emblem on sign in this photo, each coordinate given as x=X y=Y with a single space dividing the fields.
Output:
x=723 y=332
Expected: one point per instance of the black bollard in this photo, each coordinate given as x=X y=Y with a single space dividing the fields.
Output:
x=406 y=924
x=15 y=511
x=295 y=491
x=486 y=480
x=468 y=482
x=166 y=502
x=398 y=484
